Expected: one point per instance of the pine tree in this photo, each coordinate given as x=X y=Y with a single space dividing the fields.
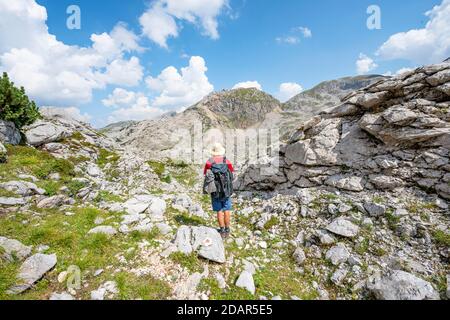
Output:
x=15 y=105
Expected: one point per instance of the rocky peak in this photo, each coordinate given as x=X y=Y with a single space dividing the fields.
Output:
x=239 y=108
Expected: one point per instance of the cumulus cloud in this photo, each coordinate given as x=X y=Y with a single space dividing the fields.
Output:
x=288 y=90
x=248 y=85
x=422 y=46
x=365 y=64
x=58 y=74
x=178 y=89
x=139 y=109
x=159 y=22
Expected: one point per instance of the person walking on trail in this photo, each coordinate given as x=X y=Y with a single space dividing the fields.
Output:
x=218 y=183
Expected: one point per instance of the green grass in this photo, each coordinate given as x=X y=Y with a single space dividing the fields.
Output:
x=132 y=287
x=363 y=247
x=68 y=238
x=106 y=156
x=441 y=238
x=170 y=169
x=271 y=223
x=183 y=219
x=190 y=262
x=31 y=161
x=108 y=197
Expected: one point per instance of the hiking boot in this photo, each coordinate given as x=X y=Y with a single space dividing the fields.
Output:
x=227 y=231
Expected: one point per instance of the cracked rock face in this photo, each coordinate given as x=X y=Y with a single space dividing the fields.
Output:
x=393 y=134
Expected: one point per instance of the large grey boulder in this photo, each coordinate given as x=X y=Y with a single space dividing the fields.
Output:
x=22 y=188
x=32 y=270
x=9 y=134
x=400 y=285
x=245 y=281
x=343 y=227
x=43 y=131
x=13 y=249
x=206 y=242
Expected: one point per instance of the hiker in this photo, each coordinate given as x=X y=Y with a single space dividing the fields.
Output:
x=218 y=183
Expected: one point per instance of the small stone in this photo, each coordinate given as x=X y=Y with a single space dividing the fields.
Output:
x=343 y=227
x=245 y=281
x=64 y=296
x=375 y=210
x=107 y=230
x=299 y=256
x=338 y=254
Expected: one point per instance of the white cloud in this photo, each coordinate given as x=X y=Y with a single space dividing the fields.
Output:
x=139 y=110
x=399 y=72
x=158 y=25
x=293 y=37
x=248 y=85
x=120 y=98
x=422 y=46
x=288 y=40
x=365 y=64
x=306 y=32
x=54 y=73
x=159 y=21
x=66 y=113
x=176 y=89
x=288 y=90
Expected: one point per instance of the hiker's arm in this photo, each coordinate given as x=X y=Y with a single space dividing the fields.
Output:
x=230 y=166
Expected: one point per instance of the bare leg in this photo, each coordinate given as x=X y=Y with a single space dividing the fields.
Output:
x=227 y=219
x=221 y=219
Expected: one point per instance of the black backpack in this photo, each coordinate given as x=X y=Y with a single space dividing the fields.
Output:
x=223 y=179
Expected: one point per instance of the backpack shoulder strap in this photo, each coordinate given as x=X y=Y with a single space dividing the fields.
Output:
x=224 y=159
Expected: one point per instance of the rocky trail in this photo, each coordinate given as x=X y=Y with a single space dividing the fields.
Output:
x=359 y=209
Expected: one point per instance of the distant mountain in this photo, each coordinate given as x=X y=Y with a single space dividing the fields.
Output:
x=323 y=96
x=234 y=109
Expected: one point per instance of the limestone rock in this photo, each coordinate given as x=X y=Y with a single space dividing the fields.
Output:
x=338 y=254
x=14 y=249
x=32 y=270
x=299 y=256
x=107 y=230
x=9 y=134
x=245 y=281
x=206 y=242
x=22 y=188
x=352 y=183
x=343 y=227
x=400 y=285
x=45 y=131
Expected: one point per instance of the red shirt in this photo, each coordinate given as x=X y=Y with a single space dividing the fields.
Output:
x=218 y=159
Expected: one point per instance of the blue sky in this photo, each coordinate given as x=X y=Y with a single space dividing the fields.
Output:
x=253 y=41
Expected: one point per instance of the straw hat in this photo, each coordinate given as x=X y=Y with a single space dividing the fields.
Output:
x=217 y=150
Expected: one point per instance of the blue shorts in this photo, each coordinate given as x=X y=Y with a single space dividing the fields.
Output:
x=221 y=204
